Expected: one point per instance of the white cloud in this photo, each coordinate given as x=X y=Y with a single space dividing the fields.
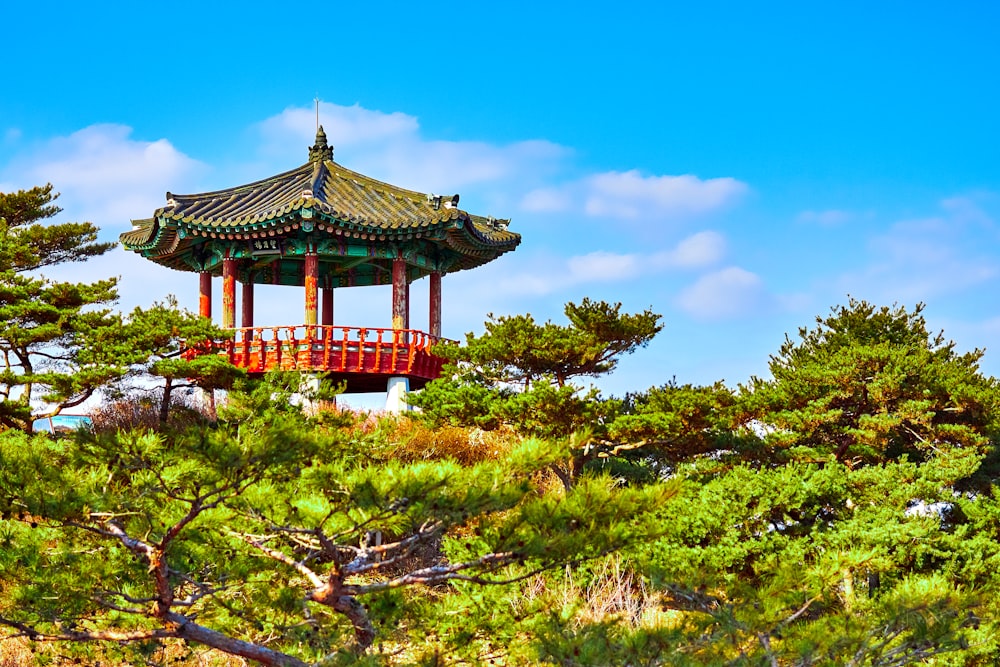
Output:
x=630 y=195
x=601 y=266
x=828 y=218
x=922 y=258
x=724 y=294
x=547 y=200
x=698 y=250
x=389 y=146
x=966 y=210
x=289 y=132
x=541 y=276
x=104 y=175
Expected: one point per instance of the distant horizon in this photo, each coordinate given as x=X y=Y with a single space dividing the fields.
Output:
x=740 y=170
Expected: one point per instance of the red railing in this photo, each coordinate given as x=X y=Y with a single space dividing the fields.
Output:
x=330 y=349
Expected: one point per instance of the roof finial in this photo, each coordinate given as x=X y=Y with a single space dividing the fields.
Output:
x=317 y=111
x=321 y=150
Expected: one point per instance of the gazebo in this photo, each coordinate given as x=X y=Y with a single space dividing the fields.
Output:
x=323 y=227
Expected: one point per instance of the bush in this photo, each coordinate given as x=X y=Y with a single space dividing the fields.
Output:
x=141 y=409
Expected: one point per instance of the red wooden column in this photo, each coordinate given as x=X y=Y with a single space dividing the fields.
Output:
x=312 y=277
x=406 y=313
x=229 y=293
x=400 y=302
x=435 y=305
x=327 y=299
x=205 y=294
x=248 y=302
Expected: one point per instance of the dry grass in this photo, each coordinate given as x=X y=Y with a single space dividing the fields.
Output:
x=17 y=652
x=408 y=440
x=614 y=593
x=467 y=446
x=142 y=410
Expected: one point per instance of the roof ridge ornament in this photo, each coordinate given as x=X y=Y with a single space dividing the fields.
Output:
x=321 y=150
x=437 y=200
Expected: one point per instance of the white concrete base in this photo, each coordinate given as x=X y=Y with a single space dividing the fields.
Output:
x=304 y=398
x=395 y=395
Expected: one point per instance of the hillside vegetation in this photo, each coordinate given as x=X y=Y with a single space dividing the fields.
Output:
x=840 y=512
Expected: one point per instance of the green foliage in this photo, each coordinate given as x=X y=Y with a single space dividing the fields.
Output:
x=516 y=350
x=26 y=245
x=519 y=372
x=56 y=338
x=674 y=423
x=741 y=534
x=268 y=524
x=871 y=384
x=159 y=337
x=807 y=564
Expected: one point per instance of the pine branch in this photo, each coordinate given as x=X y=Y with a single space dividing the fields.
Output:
x=33 y=633
x=282 y=557
x=372 y=558
x=439 y=573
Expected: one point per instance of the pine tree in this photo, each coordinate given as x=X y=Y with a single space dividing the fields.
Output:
x=273 y=537
x=55 y=337
x=870 y=384
x=522 y=374
x=165 y=340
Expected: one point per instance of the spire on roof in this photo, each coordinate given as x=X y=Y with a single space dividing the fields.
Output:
x=321 y=150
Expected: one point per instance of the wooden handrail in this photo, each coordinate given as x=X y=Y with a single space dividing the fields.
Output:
x=328 y=348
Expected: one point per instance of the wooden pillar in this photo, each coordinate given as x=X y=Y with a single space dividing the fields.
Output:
x=229 y=293
x=435 y=305
x=248 y=302
x=311 y=281
x=205 y=294
x=327 y=297
x=400 y=303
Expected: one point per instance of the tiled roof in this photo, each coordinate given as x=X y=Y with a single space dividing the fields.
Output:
x=327 y=195
x=328 y=188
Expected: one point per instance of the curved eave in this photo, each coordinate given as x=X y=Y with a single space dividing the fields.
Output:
x=478 y=230
x=142 y=237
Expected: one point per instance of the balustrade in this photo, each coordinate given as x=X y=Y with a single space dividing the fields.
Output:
x=330 y=349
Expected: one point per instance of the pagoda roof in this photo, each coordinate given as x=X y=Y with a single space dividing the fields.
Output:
x=319 y=199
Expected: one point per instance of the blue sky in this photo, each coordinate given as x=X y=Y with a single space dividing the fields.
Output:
x=738 y=167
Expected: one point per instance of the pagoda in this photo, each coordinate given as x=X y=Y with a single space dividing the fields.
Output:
x=322 y=227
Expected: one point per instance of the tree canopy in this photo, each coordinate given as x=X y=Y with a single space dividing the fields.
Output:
x=520 y=372
x=841 y=512
x=165 y=338
x=26 y=244
x=269 y=524
x=870 y=384
x=57 y=339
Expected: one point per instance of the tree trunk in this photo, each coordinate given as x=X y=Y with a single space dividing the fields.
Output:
x=210 y=404
x=364 y=631
x=165 y=403
x=187 y=629
x=874 y=581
